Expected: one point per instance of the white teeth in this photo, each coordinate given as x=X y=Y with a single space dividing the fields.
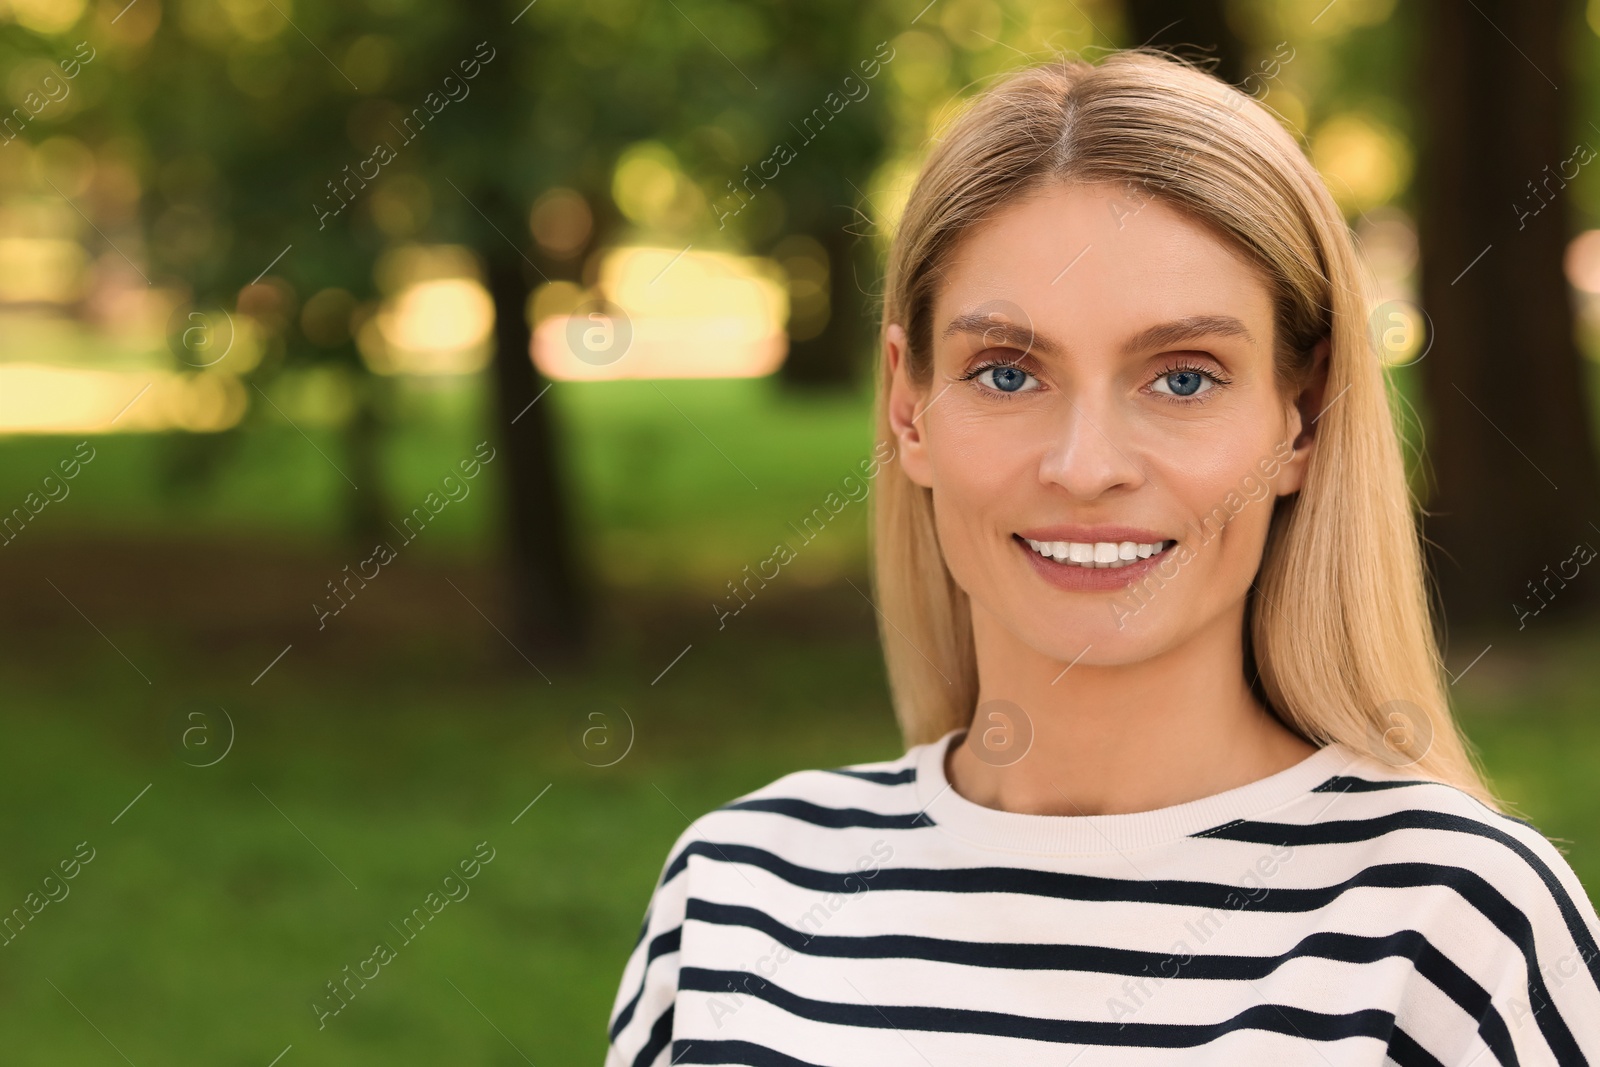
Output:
x=1100 y=554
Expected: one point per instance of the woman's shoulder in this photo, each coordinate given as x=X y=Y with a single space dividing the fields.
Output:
x=837 y=797
x=807 y=815
x=1505 y=902
x=1366 y=801
x=1395 y=824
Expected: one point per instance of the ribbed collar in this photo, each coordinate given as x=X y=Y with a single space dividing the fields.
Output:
x=1067 y=834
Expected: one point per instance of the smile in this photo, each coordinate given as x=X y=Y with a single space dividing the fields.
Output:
x=1099 y=555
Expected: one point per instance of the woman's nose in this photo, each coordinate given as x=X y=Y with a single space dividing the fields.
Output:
x=1089 y=451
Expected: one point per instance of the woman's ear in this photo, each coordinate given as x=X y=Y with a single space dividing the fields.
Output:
x=1307 y=408
x=906 y=403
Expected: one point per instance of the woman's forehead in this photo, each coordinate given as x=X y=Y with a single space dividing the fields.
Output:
x=1074 y=260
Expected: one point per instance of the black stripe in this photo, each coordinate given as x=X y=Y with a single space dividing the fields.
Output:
x=1427 y=960
x=660 y=1035
x=833 y=818
x=900 y=777
x=1345 y=783
x=1459 y=986
x=1405 y=1051
x=1085 y=887
x=1275 y=1018
x=1033 y=956
x=670 y=941
x=733 y=1052
x=1341 y=783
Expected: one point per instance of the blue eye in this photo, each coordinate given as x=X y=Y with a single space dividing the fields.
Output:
x=1004 y=378
x=1184 y=383
x=1008 y=379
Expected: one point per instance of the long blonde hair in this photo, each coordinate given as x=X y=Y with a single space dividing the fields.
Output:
x=1346 y=636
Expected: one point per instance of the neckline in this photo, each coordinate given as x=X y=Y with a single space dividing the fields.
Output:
x=992 y=828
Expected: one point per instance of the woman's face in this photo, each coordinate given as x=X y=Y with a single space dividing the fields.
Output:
x=1103 y=388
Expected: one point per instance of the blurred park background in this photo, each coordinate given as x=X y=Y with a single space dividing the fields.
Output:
x=397 y=397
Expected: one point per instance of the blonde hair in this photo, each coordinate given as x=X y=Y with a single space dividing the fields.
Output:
x=1347 y=631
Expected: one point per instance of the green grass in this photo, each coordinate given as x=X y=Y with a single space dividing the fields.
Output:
x=1531 y=713
x=206 y=923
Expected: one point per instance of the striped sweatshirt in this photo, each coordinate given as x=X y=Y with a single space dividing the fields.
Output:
x=1338 y=912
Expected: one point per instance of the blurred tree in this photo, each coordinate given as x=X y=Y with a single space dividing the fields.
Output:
x=320 y=137
x=818 y=90
x=304 y=143
x=1192 y=28
x=1511 y=438
x=575 y=95
x=489 y=166
x=287 y=148
x=239 y=152
x=779 y=113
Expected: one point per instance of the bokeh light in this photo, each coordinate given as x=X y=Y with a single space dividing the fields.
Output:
x=691 y=315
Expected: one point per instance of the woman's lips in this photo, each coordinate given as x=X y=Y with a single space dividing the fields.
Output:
x=1078 y=577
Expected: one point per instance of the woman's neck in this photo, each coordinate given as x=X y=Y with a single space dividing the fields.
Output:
x=1116 y=739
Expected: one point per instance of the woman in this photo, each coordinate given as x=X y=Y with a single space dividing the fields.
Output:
x=1182 y=783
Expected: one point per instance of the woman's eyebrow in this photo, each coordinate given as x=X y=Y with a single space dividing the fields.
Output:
x=1161 y=335
x=998 y=331
x=1188 y=328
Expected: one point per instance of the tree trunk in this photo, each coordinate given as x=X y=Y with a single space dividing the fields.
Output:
x=1510 y=437
x=1174 y=24
x=836 y=358
x=366 y=511
x=551 y=599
